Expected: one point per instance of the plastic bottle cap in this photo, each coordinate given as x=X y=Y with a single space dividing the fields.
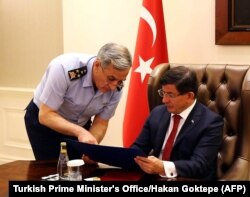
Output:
x=75 y=162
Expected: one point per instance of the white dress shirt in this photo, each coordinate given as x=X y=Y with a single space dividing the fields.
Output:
x=169 y=167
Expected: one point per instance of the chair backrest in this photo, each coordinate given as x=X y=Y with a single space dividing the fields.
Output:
x=225 y=89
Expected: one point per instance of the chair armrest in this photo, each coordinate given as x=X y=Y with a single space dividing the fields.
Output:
x=238 y=171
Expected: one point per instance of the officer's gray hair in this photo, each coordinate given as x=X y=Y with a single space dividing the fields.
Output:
x=115 y=54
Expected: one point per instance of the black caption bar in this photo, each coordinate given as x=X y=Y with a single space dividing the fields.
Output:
x=222 y=188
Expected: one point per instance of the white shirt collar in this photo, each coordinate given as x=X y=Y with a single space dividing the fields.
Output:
x=187 y=111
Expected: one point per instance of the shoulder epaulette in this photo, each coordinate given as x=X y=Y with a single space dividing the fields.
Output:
x=77 y=73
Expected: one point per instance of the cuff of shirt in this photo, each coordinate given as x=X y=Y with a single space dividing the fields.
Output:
x=170 y=170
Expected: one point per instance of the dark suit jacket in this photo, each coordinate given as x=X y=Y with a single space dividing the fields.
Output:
x=196 y=147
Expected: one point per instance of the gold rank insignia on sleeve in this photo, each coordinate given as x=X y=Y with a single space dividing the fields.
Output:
x=77 y=73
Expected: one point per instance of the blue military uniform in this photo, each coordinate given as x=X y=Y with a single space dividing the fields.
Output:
x=67 y=87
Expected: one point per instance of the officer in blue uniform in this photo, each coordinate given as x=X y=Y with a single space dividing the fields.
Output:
x=75 y=99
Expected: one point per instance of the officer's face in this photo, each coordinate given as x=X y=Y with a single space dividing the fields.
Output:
x=109 y=78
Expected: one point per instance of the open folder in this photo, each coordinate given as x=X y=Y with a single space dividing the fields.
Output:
x=114 y=156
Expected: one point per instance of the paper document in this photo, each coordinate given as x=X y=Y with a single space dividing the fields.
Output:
x=114 y=156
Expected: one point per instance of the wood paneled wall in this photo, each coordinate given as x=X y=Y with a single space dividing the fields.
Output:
x=31 y=34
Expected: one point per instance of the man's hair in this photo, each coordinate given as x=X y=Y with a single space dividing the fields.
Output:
x=115 y=54
x=182 y=77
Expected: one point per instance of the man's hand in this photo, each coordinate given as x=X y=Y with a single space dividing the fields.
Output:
x=87 y=137
x=87 y=160
x=150 y=164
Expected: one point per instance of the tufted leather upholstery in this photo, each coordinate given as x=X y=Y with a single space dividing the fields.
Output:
x=225 y=89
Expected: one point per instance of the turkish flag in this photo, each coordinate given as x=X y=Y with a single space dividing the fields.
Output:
x=151 y=50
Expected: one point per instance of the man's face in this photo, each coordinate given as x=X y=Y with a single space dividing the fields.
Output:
x=174 y=101
x=109 y=78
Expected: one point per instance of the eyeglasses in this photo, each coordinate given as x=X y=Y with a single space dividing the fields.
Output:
x=112 y=79
x=165 y=94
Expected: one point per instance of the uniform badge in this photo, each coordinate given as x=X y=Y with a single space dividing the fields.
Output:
x=77 y=73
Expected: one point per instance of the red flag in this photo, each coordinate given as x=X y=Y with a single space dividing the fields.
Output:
x=151 y=50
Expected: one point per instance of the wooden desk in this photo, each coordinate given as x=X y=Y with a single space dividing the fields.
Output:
x=24 y=170
x=34 y=170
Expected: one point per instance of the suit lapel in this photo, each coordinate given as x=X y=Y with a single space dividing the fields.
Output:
x=192 y=119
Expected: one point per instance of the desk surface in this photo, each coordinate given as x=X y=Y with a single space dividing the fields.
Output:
x=34 y=170
x=24 y=170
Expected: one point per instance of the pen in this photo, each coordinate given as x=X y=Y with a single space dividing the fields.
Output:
x=151 y=152
x=51 y=177
x=92 y=179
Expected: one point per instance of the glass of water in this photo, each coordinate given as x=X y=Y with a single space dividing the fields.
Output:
x=75 y=169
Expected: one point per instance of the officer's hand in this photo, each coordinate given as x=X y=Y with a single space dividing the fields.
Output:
x=87 y=160
x=87 y=137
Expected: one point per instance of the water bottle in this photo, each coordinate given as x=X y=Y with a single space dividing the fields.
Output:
x=62 y=168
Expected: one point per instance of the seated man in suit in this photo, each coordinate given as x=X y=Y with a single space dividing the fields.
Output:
x=191 y=151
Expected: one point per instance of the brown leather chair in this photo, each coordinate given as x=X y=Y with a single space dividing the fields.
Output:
x=225 y=89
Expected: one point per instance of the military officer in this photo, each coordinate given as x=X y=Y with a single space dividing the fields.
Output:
x=75 y=99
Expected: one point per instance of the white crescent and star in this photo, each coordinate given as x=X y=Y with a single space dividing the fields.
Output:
x=144 y=67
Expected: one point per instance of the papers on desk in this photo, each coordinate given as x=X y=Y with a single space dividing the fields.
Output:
x=114 y=156
x=52 y=177
x=106 y=166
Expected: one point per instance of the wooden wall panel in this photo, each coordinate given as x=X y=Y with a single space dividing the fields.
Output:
x=31 y=34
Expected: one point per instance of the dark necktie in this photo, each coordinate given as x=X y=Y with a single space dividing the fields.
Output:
x=169 y=144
